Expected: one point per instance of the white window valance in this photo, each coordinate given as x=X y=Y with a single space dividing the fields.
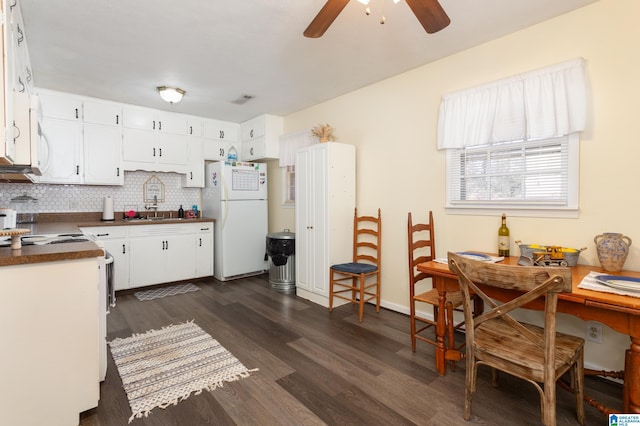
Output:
x=539 y=104
x=292 y=142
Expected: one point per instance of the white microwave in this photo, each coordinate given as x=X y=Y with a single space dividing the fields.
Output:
x=30 y=143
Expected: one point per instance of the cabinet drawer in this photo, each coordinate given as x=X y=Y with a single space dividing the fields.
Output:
x=107 y=232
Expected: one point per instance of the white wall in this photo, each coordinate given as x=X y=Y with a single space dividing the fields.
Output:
x=393 y=124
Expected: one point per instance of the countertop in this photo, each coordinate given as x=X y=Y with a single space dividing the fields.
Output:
x=69 y=223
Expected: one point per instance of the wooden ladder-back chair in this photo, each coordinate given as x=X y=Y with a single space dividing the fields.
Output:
x=422 y=249
x=354 y=278
x=539 y=355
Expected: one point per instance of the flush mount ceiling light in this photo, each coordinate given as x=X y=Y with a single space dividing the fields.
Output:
x=171 y=94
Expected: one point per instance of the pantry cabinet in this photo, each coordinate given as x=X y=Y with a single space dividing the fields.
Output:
x=325 y=203
x=261 y=137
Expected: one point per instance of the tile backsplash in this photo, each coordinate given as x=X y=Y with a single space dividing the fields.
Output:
x=86 y=198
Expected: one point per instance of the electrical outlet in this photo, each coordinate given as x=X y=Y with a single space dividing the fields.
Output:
x=593 y=332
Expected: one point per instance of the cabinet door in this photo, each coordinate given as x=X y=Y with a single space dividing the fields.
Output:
x=221 y=130
x=215 y=150
x=169 y=122
x=304 y=232
x=253 y=128
x=204 y=251
x=139 y=146
x=147 y=261
x=109 y=114
x=61 y=106
x=64 y=142
x=194 y=178
x=253 y=149
x=139 y=118
x=179 y=258
x=119 y=249
x=194 y=127
x=102 y=155
x=172 y=150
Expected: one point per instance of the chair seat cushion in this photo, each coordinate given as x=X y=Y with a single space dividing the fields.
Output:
x=494 y=336
x=354 y=268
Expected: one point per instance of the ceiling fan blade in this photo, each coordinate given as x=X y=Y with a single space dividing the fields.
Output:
x=325 y=18
x=430 y=14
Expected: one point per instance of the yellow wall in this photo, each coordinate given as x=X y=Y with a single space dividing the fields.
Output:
x=393 y=125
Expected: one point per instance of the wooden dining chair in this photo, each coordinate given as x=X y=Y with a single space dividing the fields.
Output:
x=539 y=355
x=421 y=245
x=359 y=281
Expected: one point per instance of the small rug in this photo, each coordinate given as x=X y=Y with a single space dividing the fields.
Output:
x=162 y=367
x=172 y=290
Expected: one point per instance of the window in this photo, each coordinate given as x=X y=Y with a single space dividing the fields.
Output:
x=513 y=144
x=518 y=175
x=289 y=185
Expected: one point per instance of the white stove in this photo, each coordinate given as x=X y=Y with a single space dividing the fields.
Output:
x=38 y=240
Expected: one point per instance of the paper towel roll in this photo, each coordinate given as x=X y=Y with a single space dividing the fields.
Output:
x=107 y=208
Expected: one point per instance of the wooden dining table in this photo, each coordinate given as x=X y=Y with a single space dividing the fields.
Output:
x=621 y=313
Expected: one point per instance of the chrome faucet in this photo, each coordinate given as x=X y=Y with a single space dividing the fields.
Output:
x=153 y=206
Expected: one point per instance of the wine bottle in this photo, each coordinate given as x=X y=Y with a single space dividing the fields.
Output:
x=503 y=238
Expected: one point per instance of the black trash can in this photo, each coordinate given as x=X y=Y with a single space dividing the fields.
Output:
x=281 y=248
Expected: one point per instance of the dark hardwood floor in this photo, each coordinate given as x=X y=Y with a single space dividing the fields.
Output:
x=317 y=367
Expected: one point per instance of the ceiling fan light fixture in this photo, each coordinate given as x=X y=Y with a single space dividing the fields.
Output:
x=173 y=95
x=365 y=2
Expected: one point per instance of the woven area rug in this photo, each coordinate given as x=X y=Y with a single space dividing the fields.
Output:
x=172 y=290
x=162 y=367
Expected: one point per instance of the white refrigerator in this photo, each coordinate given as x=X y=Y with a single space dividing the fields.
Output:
x=235 y=195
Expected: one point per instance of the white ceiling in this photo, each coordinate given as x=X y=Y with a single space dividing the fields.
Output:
x=219 y=50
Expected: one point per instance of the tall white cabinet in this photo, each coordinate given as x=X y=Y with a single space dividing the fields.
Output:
x=325 y=201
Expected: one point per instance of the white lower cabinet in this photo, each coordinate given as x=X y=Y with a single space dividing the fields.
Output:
x=165 y=258
x=115 y=240
x=153 y=254
x=325 y=202
x=204 y=250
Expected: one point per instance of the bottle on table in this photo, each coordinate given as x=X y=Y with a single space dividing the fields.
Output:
x=503 y=238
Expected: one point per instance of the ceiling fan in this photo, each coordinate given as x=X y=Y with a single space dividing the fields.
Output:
x=429 y=12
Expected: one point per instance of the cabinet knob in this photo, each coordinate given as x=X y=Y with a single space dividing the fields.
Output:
x=251 y=133
x=191 y=173
x=117 y=119
x=118 y=171
x=190 y=130
x=200 y=241
x=159 y=125
x=77 y=169
x=251 y=151
x=20 y=35
x=221 y=152
x=154 y=125
x=154 y=152
x=221 y=134
x=77 y=114
x=124 y=249
x=160 y=152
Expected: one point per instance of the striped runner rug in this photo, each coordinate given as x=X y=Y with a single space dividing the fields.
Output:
x=172 y=290
x=162 y=367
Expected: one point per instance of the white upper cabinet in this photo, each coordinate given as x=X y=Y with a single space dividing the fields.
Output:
x=102 y=112
x=220 y=130
x=218 y=137
x=261 y=137
x=84 y=140
x=154 y=140
x=60 y=105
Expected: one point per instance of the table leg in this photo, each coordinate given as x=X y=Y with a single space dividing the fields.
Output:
x=441 y=350
x=631 y=393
